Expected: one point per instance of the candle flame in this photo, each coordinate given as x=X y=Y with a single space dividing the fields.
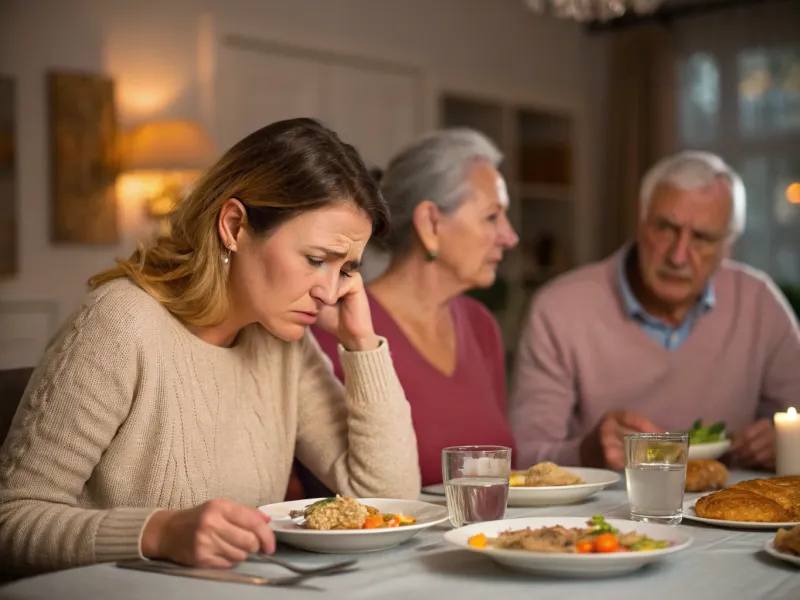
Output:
x=792 y=413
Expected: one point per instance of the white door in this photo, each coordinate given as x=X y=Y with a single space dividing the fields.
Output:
x=377 y=110
x=257 y=88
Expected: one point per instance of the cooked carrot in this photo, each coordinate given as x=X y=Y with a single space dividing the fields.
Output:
x=585 y=547
x=393 y=522
x=606 y=542
x=373 y=522
x=477 y=541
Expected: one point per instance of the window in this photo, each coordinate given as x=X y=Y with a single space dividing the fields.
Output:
x=699 y=101
x=769 y=91
x=744 y=104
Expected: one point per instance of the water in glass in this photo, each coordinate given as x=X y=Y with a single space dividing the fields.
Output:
x=655 y=492
x=655 y=472
x=476 y=499
x=476 y=482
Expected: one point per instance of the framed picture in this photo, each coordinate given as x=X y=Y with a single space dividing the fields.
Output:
x=85 y=158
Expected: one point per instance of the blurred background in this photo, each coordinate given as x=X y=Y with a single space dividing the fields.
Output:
x=109 y=110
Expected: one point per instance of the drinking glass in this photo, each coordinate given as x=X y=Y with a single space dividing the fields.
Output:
x=655 y=471
x=476 y=483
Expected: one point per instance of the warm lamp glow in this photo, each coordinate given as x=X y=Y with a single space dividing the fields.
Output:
x=139 y=101
x=793 y=193
x=160 y=162
x=167 y=146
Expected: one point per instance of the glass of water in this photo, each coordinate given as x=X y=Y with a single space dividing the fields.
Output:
x=476 y=483
x=655 y=471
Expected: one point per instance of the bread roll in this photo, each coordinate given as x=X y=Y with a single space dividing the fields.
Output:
x=705 y=475
x=790 y=481
x=788 y=540
x=787 y=496
x=775 y=500
x=741 y=505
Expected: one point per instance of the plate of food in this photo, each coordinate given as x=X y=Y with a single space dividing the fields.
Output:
x=571 y=546
x=708 y=442
x=769 y=503
x=344 y=525
x=547 y=484
x=785 y=545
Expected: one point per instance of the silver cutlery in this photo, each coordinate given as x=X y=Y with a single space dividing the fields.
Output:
x=223 y=574
x=333 y=567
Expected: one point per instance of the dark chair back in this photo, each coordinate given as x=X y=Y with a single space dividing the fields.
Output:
x=310 y=485
x=12 y=386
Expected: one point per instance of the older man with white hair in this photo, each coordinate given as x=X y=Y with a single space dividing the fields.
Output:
x=666 y=331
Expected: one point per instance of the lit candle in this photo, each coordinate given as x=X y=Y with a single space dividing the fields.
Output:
x=787 y=442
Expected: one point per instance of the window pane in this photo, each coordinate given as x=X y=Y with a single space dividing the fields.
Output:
x=698 y=104
x=754 y=245
x=771 y=241
x=769 y=90
x=787 y=219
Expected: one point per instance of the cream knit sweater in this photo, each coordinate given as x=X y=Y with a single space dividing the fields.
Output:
x=129 y=411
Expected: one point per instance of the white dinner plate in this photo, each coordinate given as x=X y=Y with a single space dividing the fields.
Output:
x=709 y=451
x=690 y=513
x=571 y=565
x=769 y=547
x=555 y=495
x=289 y=531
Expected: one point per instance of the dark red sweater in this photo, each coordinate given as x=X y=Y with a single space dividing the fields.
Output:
x=468 y=407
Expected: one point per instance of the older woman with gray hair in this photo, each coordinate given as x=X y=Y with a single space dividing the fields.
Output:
x=450 y=229
x=666 y=331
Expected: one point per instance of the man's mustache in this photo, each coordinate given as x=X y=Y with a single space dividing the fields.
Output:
x=675 y=273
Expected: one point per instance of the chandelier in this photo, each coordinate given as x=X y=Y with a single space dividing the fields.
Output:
x=592 y=10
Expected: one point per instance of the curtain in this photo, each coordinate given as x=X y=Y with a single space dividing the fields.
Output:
x=640 y=121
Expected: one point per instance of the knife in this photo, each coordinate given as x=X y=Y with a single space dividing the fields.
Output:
x=208 y=574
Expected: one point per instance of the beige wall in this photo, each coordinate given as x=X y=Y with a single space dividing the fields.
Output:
x=161 y=55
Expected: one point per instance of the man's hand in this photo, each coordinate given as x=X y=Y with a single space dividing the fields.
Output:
x=603 y=446
x=754 y=448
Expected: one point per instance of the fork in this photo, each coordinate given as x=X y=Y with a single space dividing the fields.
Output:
x=331 y=568
x=219 y=574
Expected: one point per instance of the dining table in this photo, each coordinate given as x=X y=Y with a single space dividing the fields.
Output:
x=720 y=564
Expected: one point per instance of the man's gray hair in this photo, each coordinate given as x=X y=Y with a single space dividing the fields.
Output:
x=436 y=168
x=693 y=170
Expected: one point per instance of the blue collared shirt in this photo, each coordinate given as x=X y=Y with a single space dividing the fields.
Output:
x=669 y=336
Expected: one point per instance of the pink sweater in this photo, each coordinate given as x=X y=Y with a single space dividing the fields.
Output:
x=580 y=356
x=467 y=407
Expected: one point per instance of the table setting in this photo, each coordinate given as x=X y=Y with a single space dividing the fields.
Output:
x=490 y=530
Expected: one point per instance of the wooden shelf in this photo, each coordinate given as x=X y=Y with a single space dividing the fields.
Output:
x=544 y=191
x=538 y=146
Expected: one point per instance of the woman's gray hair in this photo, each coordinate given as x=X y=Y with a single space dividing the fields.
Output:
x=693 y=170
x=436 y=168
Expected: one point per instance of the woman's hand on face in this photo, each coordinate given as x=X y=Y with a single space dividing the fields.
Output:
x=217 y=533
x=350 y=319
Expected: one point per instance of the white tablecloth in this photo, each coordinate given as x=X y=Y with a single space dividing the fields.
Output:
x=721 y=564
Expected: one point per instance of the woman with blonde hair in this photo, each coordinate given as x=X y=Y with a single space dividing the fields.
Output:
x=173 y=400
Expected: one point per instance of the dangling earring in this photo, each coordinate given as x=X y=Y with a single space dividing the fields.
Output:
x=431 y=255
x=226 y=256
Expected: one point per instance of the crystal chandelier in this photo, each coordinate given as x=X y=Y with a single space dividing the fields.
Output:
x=592 y=10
